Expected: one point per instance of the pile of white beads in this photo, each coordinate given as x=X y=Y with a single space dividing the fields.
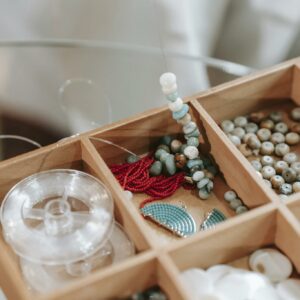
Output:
x=268 y=280
x=180 y=113
x=266 y=140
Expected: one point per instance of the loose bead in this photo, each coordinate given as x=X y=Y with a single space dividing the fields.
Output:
x=156 y=168
x=170 y=164
x=282 y=149
x=257 y=117
x=256 y=165
x=267 y=160
x=210 y=186
x=253 y=142
x=193 y=141
x=267 y=148
x=176 y=105
x=277 y=138
x=247 y=136
x=202 y=183
x=175 y=146
x=292 y=138
x=267 y=172
x=295 y=114
x=296 y=166
x=164 y=147
x=173 y=96
x=227 y=126
x=251 y=127
x=234 y=139
x=158 y=153
x=238 y=131
x=276 y=116
x=264 y=134
x=277 y=181
x=230 y=195
x=191 y=152
x=163 y=156
x=235 y=203
x=198 y=175
x=281 y=127
x=296 y=187
x=167 y=79
x=280 y=166
x=189 y=127
x=289 y=175
x=166 y=140
x=296 y=128
x=180 y=160
x=203 y=194
x=240 y=121
x=181 y=113
x=185 y=120
x=268 y=124
x=241 y=209
x=268 y=183
x=290 y=157
x=286 y=189
x=246 y=151
x=132 y=159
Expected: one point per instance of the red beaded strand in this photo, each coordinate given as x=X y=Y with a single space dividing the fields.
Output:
x=135 y=177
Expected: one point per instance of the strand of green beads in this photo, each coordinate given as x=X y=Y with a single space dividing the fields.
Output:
x=200 y=171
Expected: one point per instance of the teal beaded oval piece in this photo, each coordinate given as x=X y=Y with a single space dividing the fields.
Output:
x=171 y=217
x=212 y=219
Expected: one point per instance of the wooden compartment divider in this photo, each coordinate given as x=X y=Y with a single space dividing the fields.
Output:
x=270 y=222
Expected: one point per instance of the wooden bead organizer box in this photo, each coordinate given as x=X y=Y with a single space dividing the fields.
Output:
x=161 y=256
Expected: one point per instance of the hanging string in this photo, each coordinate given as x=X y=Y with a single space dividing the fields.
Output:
x=135 y=177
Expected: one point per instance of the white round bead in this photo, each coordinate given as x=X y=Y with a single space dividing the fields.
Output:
x=230 y=195
x=191 y=152
x=238 y=131
x=272 y=263
x=170 y=90
x=185 y=120
x=268 y=172
x=290 y=157
x=227 y=126
x=198 y=175
x=267 y=160
x=189 y=127
x=176 y=105
x=234 y=139
x=167 y=79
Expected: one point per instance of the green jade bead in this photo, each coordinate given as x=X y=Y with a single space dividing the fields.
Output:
x=156 y=168
x=173 y=96
x=170 y=164
x=181 y=113
x=193 y=141
x=158 y=153
x=165 y=147
x=195 y=133
x=132 y=159
x=194 y=162
x=203 y=194
x=202 y=183
x=166 y=140
x=235 y=203
x=241 y=209
x=164 y=156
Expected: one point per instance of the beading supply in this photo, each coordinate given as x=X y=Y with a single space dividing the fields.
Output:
x=171 y=217
x=212 y=219
x=190 y=152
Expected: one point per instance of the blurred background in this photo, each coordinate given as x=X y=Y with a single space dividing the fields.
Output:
x=71 y=65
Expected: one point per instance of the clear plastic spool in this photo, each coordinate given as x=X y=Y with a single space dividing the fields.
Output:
x=43 y=278
x=57 y=217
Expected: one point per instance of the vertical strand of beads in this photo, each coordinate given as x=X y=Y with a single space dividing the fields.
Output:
x=200 y=170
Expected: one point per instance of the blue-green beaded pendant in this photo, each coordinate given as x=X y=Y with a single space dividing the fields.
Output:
x=212 y=219
x=171 y=217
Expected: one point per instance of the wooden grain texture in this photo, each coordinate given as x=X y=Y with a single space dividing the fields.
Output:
x=288 y=235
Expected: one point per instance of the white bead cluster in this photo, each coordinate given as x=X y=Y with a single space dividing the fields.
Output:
x=180 y=112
